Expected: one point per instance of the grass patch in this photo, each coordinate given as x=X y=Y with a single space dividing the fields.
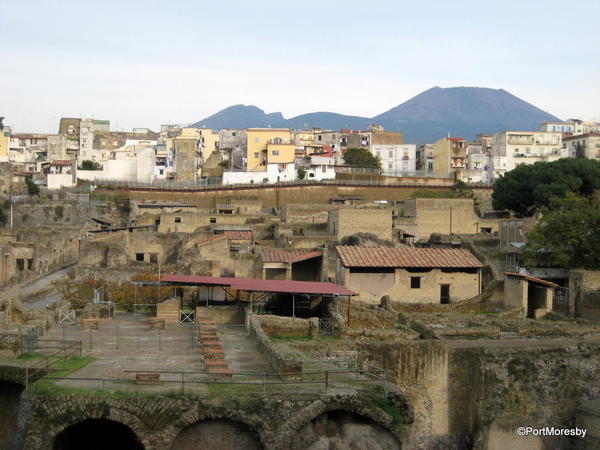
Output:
x=29 y=356
x=69 y=366
x=380 y=400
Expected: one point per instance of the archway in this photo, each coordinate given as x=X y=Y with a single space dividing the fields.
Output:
x=10 y=400
x=97 y=434
x=342 y=429
x=220 y=433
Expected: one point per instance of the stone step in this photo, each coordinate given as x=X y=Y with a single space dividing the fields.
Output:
x=217 y=362
x=216 y=355
x=209 y=341
x=211 y=344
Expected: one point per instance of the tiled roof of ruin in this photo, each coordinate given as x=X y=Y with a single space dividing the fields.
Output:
x=238 y=235
x=288 y=256
x=407 y=257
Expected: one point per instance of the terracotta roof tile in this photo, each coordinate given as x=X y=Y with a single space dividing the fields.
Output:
x=407 y=257
x=238 y=235
x=530 y=278
x=290 y=256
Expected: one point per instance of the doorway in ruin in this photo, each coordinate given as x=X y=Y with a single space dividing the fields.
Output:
x=219 y=434
x=97 y=434
x=10 y=401
x=342 y=429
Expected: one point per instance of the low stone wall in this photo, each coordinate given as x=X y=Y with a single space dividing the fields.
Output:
x=364 y=315
x=277 y=360
x=223 y=315
x=288 y=326
x=12 y=342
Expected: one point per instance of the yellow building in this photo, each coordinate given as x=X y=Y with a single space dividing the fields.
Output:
x=210 y=142
x=4 y=143
x=268 y=145
x=449 y=155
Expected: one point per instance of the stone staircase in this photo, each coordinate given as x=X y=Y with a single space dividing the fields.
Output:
x=212 y=348
x=169 y=310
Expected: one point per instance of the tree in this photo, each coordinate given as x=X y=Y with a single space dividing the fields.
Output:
x=579 y=151
x=568 y=234
x=32 y=188
x=301 y=174
x=528 y=188
x=89 y=165
x=356 y=156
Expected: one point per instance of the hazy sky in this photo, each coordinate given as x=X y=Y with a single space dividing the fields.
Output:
x=143 y=63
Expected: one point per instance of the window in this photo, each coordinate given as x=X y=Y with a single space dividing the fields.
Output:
x=233 y=134
x=275 y=152
x=177 y=219
x=319 y=137
x=213 y=220
x=20 y=264
x=390 y=166
x=139 y=256
x=30 y=264
x=234 y=248
x=256 y=155
x=415 y=282
x=161 y=171
x=390 y=154
x=154 y=258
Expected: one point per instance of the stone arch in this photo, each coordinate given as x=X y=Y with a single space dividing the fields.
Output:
x=318 y=408
x=224 y=434
x=253 y=423
x=97 y=434
x=10 y=399
x=60 y=419
x=342 y=429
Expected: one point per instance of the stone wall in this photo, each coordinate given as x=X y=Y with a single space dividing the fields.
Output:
x=288 y=326
x=158 y=421
x=223 y=315
x=463 y=391
x=276 y=359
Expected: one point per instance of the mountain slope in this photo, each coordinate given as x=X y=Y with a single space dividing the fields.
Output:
x=241 y=116
x=461 y=111
x=431 y=115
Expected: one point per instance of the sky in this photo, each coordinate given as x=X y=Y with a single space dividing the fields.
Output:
x=147 y=63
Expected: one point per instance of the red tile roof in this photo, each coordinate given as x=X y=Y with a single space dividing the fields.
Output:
x=238 y=235
x=407 y=257
x=255 y=285
x=288 y=256
x=530 y=278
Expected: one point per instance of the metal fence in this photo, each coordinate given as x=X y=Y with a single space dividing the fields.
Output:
x=197 y=186
x=289 y=383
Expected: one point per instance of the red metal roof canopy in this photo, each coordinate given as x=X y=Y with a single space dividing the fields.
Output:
x=255 y=285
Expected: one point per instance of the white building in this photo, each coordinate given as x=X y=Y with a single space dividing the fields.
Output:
x=275 y=173
x=478 y=164
x=588 y=143
x=513 y=148
x=396 y=159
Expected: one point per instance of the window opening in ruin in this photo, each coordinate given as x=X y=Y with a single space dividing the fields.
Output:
x=20 y=264
x=415 y=282
x=154 y=258
x=177 y=219
x=30 y=264
x=139 y=256
x=213 y=220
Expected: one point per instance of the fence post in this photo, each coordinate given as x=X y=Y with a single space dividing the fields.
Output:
x=26 y=377
x=326 y=380
x=90 y=339
x=182 y=382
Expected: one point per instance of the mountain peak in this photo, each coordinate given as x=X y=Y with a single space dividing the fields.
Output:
x=463 y=111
